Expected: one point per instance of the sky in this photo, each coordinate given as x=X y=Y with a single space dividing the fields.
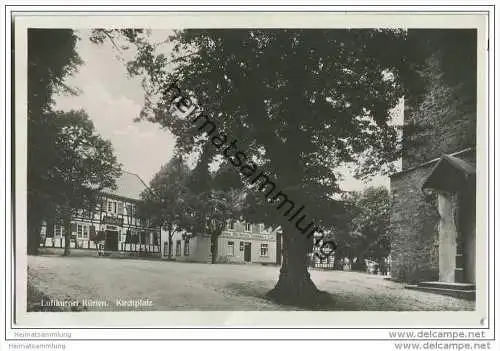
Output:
x=112 y=100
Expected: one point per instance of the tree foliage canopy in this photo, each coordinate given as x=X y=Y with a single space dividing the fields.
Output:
x=51 y=59
x=366 y=234
x=165 y=201
x=68 y=162
x=82 y=162
x=300 y=102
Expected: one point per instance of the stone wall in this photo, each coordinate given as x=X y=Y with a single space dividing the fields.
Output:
x=414 y=225
x=414 y=228
x=440 y=115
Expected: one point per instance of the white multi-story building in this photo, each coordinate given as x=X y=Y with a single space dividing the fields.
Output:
x=239 y=243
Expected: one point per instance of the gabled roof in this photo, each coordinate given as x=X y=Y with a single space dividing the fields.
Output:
x=464 y=152
x=449 y=174
x=128 y=185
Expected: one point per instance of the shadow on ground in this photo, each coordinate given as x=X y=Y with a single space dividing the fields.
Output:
x=346 y=301
x=324 y=302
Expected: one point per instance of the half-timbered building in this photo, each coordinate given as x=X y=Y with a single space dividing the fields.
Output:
x=113 y=223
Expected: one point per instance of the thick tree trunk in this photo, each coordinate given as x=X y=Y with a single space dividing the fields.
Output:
x=214 y=247
x=170 y=243
x=295 y=286
x=67 y=237
x=34 y=227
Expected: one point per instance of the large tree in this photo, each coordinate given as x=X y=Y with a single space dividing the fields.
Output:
x=51 y=59
x=214 y=199
x=166 y=200
x=366 y=234
x=212 y=210
x=81 y=166
x=299 y=103
x=68 y=162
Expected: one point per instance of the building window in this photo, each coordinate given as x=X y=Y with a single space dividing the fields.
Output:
x=230 y=248
x=130 y=210
x=248 y=227
x=120 y=207
x=112 y=206
x=86 y=232
x=242 y=246
x=186 y=247
x=178 y=248
x=79 y=231
x=264 y=249
x=58 y=230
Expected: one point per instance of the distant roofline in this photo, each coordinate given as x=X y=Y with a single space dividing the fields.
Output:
x=434 y=160
x=139 y=177
x=114 y=196
x=126 y=197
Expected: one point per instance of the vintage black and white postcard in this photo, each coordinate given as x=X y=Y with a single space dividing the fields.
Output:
x=294 y=169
